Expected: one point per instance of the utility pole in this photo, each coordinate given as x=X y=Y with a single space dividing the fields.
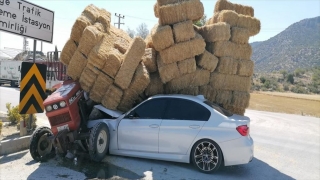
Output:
x=119 y=17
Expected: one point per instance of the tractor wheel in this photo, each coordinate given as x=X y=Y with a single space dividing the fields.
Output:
x=99 y=141
x=40 y=145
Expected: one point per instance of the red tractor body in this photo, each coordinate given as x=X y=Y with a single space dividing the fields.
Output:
x=62 y=107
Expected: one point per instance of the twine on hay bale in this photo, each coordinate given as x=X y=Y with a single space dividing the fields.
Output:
x=100 y=87
x=87 y=79
x=187 y=66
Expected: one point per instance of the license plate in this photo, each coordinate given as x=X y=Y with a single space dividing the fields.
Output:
x=60 y=128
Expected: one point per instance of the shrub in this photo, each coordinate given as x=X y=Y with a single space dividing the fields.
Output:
x=286 y=87
x=0 y=125
x=290 y=78
x=13 y=113
x=262 y=79
x=15 y=118
x=299 y=89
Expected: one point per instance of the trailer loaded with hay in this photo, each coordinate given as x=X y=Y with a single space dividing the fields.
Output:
x=177 y=57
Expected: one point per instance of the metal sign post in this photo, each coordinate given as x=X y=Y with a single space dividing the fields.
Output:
x=34 y=60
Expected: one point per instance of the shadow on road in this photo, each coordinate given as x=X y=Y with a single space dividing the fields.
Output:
x=12 y=157
x=91 y=170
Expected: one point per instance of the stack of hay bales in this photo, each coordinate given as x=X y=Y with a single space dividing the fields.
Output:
x=227 y=34
x=177 y=44
x=105 y=60
x=175 y=58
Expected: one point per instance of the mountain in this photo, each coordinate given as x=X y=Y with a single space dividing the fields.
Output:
x=298 y=46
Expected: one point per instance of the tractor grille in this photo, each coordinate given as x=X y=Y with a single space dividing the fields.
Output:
x=63 y=118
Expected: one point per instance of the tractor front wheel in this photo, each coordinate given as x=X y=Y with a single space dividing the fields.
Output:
x=41 y=147
x=99 y=142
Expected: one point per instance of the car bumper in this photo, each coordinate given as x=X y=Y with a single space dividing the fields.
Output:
x=237 y=151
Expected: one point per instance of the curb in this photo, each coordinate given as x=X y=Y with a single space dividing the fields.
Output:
x=14 y=145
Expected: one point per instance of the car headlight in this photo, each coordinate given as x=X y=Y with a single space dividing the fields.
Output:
x=49 y=108
x=62 y=103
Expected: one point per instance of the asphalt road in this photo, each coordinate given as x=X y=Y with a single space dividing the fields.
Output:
x=286 y=147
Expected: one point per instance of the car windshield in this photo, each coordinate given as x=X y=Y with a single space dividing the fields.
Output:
x=219 y=108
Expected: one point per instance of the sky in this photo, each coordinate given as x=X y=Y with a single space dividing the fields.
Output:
x=275 y=16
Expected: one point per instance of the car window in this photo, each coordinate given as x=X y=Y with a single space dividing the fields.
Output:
x=152 y=109
x=183 y=109
x=219 y=108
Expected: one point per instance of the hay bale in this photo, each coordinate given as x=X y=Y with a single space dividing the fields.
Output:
x=92 y=12
x=81 y=23
x=250 y=23
x=183 y=31
x=166 y=2
x=230 y=49
x=208 y=92
x=131 y=60
x=105 y=19
x=112 y=97
x=245 y=68
x=213 y=19
x=149 y=59
x=240 y=35
x=235 y=110
x=99 y=26
x=148 y=41
x=113 y=63
x=67 y=52
x=187 y=66
x=77 y=63
x=227 y=65
x=190 y=91
x=238 y=8
x=230 y=82
x=215 y=32
x=240 y=99
x=119 y=33
x=99 y=54
x=229 y=17
x=90 y=37
x=223 y=97
x=207 y=61
x=155 y=86
x=183 y=50
x=197 y=78
x=156 y=10
x=178 y=12
x=129 y=98
x=162 y=37
x=167 y=71
x=122 y=45
x=100 y=87
x=141 y=79
x=87 y=79
x=93 y=68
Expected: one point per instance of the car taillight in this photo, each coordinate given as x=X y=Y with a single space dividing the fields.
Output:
x=243 y=130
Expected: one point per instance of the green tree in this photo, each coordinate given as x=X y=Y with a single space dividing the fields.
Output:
x=262 y=79
x=284 y=73
x=201 y=22
x=290 y=78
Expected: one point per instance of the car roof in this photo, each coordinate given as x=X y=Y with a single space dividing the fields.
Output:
x=198 y=98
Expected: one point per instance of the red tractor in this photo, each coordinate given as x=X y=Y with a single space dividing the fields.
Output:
x=67 y=110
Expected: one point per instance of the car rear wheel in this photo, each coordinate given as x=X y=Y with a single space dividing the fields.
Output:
x=206 y=156
x=99 y=142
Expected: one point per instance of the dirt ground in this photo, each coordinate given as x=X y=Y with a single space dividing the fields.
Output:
x=8 y=131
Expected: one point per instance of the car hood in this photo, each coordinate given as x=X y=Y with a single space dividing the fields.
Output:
x=111 y=112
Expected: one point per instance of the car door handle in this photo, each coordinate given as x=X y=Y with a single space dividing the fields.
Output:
x=194 y=126
x=154 y=126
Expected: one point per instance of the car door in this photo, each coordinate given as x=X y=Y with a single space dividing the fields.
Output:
x=182 y=121
x=139 y=129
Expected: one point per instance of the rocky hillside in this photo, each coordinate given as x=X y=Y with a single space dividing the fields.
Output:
x=296 y=47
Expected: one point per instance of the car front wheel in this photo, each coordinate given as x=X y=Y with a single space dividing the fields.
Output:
x=206 y=156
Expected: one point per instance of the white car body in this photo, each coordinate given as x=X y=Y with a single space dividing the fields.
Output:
x=172 y=140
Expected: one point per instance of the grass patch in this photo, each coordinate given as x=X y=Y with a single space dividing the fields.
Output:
x=286 y=103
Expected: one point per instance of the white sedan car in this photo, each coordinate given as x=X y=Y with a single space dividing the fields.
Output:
x=178 y=128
